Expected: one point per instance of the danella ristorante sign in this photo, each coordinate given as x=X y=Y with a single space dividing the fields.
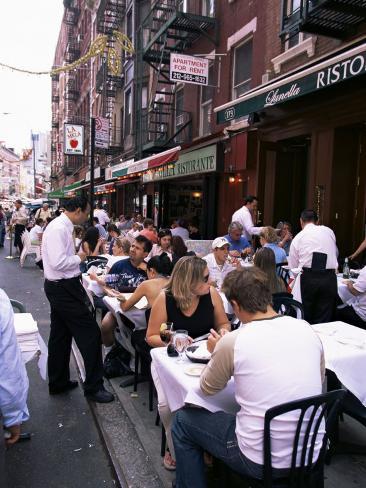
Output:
x=340 y=68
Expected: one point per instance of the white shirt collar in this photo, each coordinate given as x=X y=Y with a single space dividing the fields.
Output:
x=67 y=221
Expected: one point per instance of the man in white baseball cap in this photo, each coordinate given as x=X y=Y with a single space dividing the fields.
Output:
x=217 y=261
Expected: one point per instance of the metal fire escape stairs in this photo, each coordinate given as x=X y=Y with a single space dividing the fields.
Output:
x=170 y=31
x=332 y=18
x=109 y=18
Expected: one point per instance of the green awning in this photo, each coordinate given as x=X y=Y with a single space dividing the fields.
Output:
x=73 y=186
x=59 y=193
x=337 y=69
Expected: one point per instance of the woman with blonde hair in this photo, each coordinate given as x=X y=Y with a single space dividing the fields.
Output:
x=120 y=250
x=192 y=304
x=268 y=238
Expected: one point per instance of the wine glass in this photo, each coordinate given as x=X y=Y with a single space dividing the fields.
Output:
x=166 y=330
x=181 y=341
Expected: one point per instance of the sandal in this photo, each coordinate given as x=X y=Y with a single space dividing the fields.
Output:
x=168 y=462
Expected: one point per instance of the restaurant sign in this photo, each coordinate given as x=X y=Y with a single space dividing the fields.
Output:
x=343 y=67
x=189 y=164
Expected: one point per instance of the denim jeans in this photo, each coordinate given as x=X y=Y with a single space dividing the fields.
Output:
x=196 y=430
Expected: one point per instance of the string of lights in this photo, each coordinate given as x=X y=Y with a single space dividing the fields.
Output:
x=97 y=48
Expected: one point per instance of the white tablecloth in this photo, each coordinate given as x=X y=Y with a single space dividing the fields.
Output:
x=92 y=286
x=345 y=354
x=181 y=389
x=136 y=315
x=30 y=341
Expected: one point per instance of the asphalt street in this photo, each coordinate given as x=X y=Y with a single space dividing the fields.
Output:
x=65 y=450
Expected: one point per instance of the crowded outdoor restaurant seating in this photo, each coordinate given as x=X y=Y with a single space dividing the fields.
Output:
x=232 y=338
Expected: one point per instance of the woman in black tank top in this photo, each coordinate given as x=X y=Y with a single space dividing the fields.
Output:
x=188 y=301
x=191 y=304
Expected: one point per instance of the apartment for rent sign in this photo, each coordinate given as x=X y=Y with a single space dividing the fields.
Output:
x=188 y=69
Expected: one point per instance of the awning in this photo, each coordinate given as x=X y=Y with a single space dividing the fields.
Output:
x=347 y=65
x=106 y=188
x=59 y=193
x=73 y=186
x=147 y=163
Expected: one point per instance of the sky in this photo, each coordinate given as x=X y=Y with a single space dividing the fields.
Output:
x=28 y=36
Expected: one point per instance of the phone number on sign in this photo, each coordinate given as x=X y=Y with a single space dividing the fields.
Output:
x=187 y=77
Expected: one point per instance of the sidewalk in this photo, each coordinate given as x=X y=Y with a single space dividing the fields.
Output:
x=66 y=450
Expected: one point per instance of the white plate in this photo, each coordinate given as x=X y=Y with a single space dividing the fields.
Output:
x=195 y=370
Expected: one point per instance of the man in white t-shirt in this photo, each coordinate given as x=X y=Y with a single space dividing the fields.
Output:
x=244 y=216
x=101 y=214
x=273 y=359
x=217 y=261
x=355 y=311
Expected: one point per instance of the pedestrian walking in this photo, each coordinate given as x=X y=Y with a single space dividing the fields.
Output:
x=2 y=226
x=70 y=315
x=19 y=219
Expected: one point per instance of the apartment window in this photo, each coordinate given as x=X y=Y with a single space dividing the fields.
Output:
x=293 y=15
x=242 y=68
x=207 y=93
x=208 y=8
x=128 y=112
x=129 y=27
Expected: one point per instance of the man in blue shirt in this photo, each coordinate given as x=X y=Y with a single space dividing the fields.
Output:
x=238 y=243
x=101 y=229
x=13 y=375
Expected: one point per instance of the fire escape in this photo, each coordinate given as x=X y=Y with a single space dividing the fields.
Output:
x=109 y=18
x=169 y=30
x=332 y=18
x=72 y=53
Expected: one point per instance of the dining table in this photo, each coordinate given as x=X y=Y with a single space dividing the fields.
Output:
x=344 y=351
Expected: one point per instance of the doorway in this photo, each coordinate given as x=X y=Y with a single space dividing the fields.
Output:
x=283 y=189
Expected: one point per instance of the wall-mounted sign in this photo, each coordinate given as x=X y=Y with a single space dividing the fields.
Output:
x=73 y=139
x=59 y=154
x=96 y=174
x=338 y=69
x=188 y=69
x=102 y=132
x=192 y=163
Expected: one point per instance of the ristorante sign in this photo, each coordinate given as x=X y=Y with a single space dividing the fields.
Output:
x=340 y=68
x=192 y=163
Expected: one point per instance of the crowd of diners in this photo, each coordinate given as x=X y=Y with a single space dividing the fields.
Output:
x=188 y=290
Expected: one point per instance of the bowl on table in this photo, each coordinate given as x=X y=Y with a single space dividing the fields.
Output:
x=198 y=353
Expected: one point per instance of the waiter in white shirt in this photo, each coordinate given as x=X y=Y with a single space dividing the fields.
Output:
x=70 y=315
x=102 y=215
x=314 y=250
x=245 y=217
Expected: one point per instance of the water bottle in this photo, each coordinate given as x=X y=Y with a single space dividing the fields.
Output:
x=346 y=269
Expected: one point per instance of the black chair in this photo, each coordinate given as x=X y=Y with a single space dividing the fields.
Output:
x=143 y=359
x=285 y=305
x=18 y=307
x=98 y=261
x=283 y=273
x=308 y=473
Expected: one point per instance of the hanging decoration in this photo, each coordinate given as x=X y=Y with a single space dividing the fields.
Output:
x=97 y=48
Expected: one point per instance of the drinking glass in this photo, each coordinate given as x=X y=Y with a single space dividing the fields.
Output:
x=181 y=341
x=166 y=330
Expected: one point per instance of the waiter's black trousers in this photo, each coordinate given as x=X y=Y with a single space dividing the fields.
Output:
x=319 y=295
x=71 y=318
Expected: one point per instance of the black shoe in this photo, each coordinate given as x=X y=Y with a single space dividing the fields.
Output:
x=70 y=385
x=100 y=396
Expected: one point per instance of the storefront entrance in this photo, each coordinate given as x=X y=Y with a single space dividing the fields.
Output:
x=284 y=180
x=184 y=200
